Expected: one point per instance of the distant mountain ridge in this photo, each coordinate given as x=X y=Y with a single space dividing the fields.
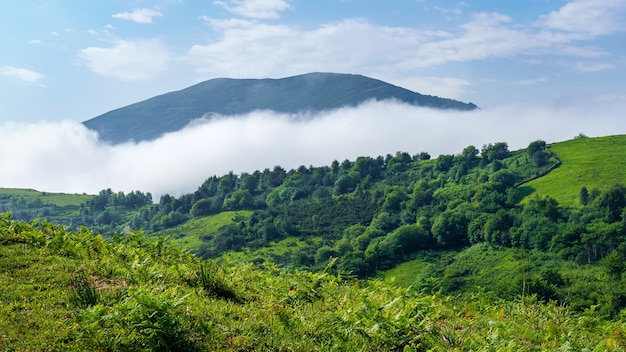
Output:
x=312 y=92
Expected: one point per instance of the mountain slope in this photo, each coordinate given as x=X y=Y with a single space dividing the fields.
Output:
x=589 y=162
x=170 y=112
x=74 y=291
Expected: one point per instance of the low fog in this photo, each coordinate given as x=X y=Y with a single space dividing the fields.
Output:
x=67 y=157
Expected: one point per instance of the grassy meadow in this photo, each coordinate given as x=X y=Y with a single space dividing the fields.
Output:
x=589 y=162
x=76 y=292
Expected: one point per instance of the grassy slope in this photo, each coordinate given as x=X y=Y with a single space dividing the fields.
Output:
x=590 y=162
x=274 y=249
x=150 y=297
x=58 y=199
x=189 y=234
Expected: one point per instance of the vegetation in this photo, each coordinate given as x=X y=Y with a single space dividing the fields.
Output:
x=483 y=226
x=75 y=291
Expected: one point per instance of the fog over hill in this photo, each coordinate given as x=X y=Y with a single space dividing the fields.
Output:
x=302 y=96
x=67 y=157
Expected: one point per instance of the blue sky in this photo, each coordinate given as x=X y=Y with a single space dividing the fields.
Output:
x=68 y=59
x=539 y=69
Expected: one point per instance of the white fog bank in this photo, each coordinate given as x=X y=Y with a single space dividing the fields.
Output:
x=67 y=157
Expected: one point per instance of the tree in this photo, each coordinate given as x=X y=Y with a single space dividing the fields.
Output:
x=497 y=151
x=536 y=146
x=202 y=207
x=378 y=253
x=274 y=178
x=444 y=162
x=367 y=166
x=614 y=264
x=536 y=153
x=450 y=227
x=346 y=183
x=470 y=155
x=501 y=180
x=614 y=201
x=424 y=156
x=239 y=199
x=249 y=183
x=408 y=238
x=583 y=196
x=393 y=200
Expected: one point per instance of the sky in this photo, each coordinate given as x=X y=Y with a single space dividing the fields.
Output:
x=538 y=69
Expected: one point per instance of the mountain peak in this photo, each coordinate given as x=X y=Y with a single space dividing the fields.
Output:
x=313 y=92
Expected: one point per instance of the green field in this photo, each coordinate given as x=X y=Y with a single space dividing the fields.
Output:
x=589 y=162
x=189 y=234
x=47 y=198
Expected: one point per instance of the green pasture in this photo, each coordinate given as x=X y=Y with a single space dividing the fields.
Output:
x=590 y=162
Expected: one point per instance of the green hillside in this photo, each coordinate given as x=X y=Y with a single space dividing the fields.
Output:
x=285 y=259
x=46 y=198
x=73 y=291
x=595 y=163
x=190 y=234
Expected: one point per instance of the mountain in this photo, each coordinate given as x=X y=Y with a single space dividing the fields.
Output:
x=311 y=92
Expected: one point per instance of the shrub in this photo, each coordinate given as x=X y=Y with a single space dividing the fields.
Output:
x=146 y=320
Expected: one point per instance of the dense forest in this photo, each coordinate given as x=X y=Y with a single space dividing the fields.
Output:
x=371 y=214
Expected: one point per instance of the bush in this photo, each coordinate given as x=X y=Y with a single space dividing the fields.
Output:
x=146 y=320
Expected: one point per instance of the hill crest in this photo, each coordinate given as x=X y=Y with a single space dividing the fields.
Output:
x=312 y=92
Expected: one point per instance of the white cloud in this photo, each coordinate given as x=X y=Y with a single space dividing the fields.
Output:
x=143 y=16
x=128 y=60
x=66 y=157
x=244 y=48
x=258 y=9
x=21 y=74
x=589 y=17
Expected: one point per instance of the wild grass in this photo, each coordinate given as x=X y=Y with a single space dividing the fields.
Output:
x=590 y=162
x=150 y=296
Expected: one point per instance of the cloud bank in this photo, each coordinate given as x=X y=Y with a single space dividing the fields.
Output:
x=66 y=157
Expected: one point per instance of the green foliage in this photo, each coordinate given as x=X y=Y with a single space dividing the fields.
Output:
x=364 y=217
x=151 y=296
x=147 y=319
x=83 y=293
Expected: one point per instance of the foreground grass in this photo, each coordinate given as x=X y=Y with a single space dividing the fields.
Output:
x=75 y=291
x=590 y=162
